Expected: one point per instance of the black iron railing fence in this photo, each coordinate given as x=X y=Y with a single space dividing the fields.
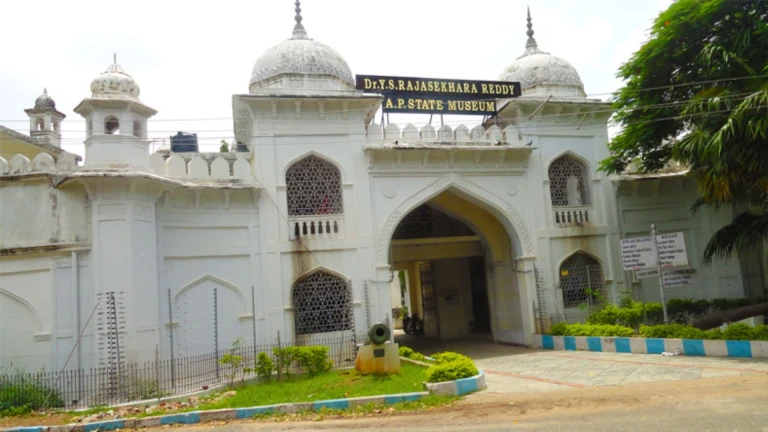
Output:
x=130 y=382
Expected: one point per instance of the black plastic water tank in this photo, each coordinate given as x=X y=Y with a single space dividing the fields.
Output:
x=242 y=147
x=184 y=142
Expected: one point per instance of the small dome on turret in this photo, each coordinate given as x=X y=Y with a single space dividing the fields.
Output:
x=114 y=82
x=45 y=101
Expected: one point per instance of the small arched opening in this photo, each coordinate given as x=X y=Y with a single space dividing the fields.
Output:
x=112 y=126
x=569 y=182
x=322 y=303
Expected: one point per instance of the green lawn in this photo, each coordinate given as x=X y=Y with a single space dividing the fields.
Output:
x=332 y=385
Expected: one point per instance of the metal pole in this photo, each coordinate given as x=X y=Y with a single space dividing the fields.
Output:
x=589 y=292
x=279 y=364
x=253 y=306
x=170 y=327
x=661 y=277
x=216 y=329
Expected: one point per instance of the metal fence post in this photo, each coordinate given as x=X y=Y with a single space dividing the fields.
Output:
x=216 y=329
x=170 y=326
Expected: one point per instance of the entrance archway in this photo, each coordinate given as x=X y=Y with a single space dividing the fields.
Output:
x=467 y=262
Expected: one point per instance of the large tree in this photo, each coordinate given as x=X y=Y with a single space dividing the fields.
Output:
x=697 y=92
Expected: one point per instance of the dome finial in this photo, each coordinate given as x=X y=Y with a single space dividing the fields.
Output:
x=45 y=91
x=298 y=30
x=531 y=47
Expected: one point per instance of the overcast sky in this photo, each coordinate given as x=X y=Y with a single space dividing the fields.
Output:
x=189 y=60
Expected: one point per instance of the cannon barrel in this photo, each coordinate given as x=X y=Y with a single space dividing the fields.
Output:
x=379 y=334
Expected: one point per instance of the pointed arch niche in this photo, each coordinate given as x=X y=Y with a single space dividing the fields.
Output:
x=322 y=303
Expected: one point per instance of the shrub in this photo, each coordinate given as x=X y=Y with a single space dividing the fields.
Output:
x=264 y=366
x=284 y=359
x=740 y=331
x=558 y=329
x=411 y=354
x=449 y=371
x=598 y=330
x=631 y=314
x=447 y=357
x=314 y=359
x=20 y=396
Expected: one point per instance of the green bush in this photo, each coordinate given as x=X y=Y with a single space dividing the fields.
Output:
x=631 y=314
x=596 y=330
x=558 y=329
x=264 y=366
x=457 y=369
x=447 y=357
x=283 y=360
x=680 y=331
x=314 y=359
x=21 y=396
x=741 y=331
x=411 y=354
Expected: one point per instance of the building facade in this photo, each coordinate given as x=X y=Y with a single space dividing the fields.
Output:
x=501 y=227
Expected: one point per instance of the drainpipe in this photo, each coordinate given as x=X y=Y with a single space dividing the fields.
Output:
x=75 y=282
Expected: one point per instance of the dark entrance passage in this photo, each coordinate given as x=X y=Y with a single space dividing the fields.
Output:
x=481 y=316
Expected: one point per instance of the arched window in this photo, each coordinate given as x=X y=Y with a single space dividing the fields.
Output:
x=322 y=303
x=568 y=182
x=56 y=126
x=137 y=132
x=578 y=274
x=39 y=124
x=313 y=188
x=111 y=126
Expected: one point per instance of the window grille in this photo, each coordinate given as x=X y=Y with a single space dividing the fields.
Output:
x=322 y=303
x=578 y=273
x=313 y=188
x=427 y=222
x=568 y=182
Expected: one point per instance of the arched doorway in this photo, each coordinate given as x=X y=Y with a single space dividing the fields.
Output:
x=467 y=275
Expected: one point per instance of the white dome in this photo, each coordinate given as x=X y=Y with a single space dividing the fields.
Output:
x=45 y=101
x=114 y=82
x=301 y=56
x=308 y=64
x=542 y=74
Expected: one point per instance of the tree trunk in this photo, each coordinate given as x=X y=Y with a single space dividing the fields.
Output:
x=716 y=319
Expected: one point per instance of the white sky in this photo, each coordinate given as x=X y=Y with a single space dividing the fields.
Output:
x=189 y=60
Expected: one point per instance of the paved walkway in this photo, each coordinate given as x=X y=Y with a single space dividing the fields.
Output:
x=515 y=369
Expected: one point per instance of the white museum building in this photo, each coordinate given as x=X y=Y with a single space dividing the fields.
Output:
x=500 y=226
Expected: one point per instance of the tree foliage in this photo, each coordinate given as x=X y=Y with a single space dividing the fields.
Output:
x=697 y=92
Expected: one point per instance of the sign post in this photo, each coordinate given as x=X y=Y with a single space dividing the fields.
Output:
x=661 y=277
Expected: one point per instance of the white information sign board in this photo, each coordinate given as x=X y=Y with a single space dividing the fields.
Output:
x=637 y=253
x=672 y=251
x=672 y=278
x=679 y=278
x=647 y=273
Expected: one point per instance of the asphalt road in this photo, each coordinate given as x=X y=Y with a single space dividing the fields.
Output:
x=713 y=404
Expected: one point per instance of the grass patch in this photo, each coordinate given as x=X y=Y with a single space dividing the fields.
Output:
x=428 y=403
x=330 y=385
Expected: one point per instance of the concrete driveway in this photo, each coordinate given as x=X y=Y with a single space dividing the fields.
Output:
x=516 y=369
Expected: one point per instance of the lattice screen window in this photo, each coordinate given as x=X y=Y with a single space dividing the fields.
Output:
x=578 y=273
x=568 y=182
x=313 y=188
x=427 y=222
x=322 y=303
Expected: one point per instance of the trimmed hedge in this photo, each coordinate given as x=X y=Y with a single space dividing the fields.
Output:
x=411 y=354
x=737 y=331
x=681 y=311
x=451 y=366
x=563 y=329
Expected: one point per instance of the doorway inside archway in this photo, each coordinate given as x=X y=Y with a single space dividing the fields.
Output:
x=447 y=247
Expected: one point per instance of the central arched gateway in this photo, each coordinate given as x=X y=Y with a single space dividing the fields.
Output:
x=468 y=260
